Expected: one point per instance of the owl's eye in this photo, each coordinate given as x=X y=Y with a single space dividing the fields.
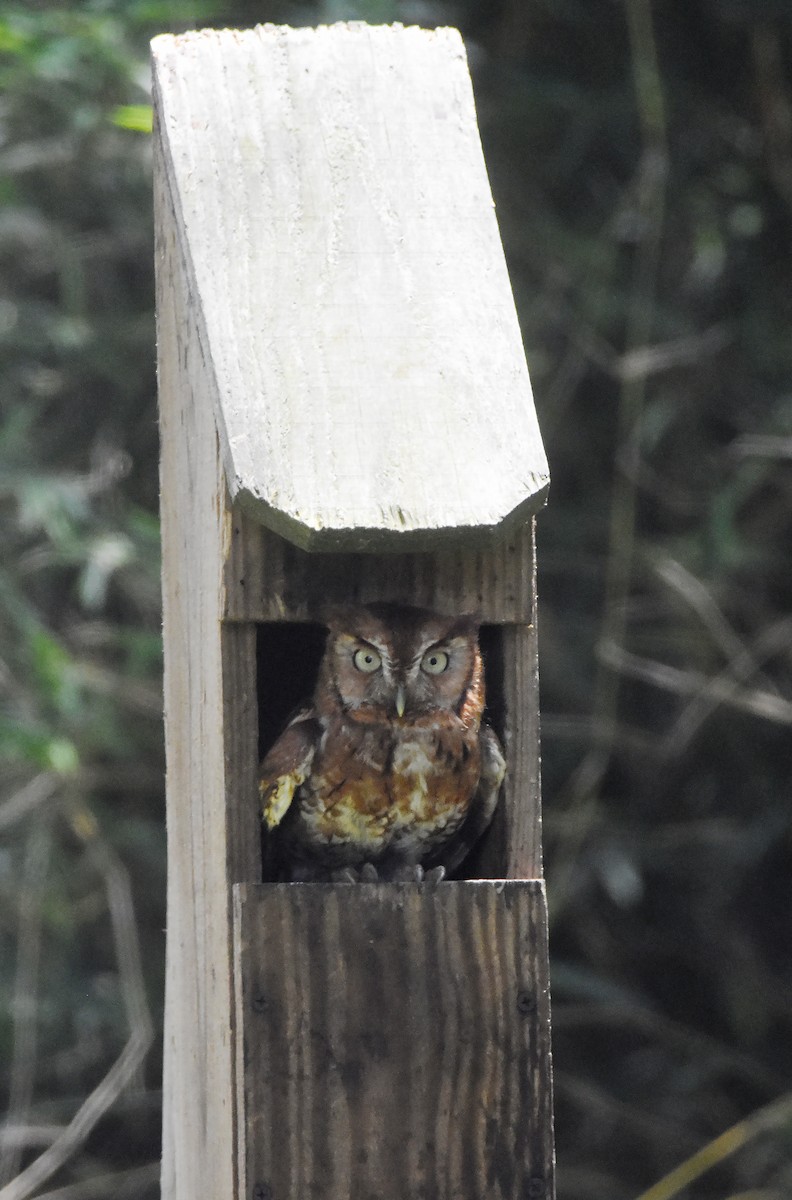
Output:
x=434 y=662
x=367 y=660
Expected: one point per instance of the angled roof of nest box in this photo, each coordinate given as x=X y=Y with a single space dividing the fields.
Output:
x=348 y=282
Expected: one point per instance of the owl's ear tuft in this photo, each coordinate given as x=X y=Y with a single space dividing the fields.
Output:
x=339 y=618
x=465 y=625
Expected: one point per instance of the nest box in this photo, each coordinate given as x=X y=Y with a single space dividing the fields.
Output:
x=346 y=415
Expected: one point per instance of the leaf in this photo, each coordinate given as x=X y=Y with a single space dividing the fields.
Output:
x=137 y=117
x=55 y=671
x=23 y=744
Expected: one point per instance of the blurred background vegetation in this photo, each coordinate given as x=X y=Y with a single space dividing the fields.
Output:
x=641 y=159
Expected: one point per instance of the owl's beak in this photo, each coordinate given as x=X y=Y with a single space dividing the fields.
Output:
x=401 y=701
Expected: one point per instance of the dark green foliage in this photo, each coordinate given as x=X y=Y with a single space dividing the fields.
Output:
x=80 y=654
x=643 y=178
x=664 y=581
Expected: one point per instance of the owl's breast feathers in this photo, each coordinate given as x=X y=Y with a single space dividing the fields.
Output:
x=350 y=790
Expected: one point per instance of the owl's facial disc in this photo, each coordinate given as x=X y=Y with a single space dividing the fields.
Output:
x=379 y=682
x=362 y=675
x=405 y=671
x=438 y=674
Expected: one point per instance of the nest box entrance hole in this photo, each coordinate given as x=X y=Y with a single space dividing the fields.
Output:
x=288 y=656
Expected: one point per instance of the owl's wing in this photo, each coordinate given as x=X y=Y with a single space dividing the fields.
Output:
x=287 y=765
x=485 y=801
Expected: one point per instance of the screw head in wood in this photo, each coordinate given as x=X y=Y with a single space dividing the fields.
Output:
x=526 y=1002
x=262 y=1191
x=259 y=1002
x=535 y=1188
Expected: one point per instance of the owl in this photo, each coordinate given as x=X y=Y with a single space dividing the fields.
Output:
x=390 y=772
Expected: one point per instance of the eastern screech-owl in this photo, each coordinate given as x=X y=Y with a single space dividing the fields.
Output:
x=390 y=769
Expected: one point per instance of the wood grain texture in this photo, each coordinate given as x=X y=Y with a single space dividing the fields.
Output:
x=521 y=813
x=349 y=282
x=393 y=1041
x=210 y=735
x=241 y=739
x=512 y=847
x=268 y=579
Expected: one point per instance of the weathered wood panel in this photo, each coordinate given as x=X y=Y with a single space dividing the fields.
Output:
x=210 y=736
x=241 y=737
x=393 y=1041
x=521 y=814
x=512 y=847
x=348 y=277
x=269 y=579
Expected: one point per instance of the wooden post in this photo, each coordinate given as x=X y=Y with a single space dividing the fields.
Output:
x=346 y=415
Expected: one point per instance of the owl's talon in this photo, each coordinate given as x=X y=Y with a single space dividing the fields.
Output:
x=415 y=873
x=369 y=873
x=343 y=875
x=434 y=875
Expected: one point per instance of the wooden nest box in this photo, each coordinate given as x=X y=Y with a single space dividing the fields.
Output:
x=346 y=416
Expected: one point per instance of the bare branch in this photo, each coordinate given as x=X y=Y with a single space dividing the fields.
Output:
x=28 y=799
x=24 y=1006
x=129 y=1062
x=701 y=600
x=759 y=445
x=724 y=688
x=74 y=1135
x=118 y=1184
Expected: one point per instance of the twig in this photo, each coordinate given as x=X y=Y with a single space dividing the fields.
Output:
x=650 y=188
x=651 y=196
x=117 y=1184
x=128 y=1064
x=764 y=1119
x=122 y=917
x=25 y=1039
x=723 y=688
x=75 y=1133
x=700 y=599
x=29 y=1135
x=583 y=1183
x=683 y=351
x=591 y=1097
x=655 y=1026
x=761 y=445
x=582 y=728
x=647 y=359
x=757 y=1194
x=127 y=945
x=775 y=104
x=36 y=792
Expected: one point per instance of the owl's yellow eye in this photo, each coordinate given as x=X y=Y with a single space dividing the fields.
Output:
x=434 y=662
x=367 y=660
